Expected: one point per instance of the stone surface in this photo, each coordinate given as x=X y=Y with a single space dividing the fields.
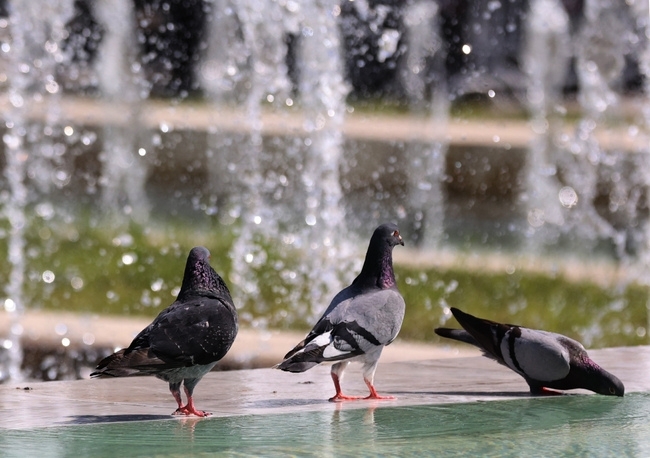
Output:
x=269 y=391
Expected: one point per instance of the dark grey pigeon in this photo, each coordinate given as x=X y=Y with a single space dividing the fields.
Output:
x=187 y=339
x=544 y=359
x=360 y=320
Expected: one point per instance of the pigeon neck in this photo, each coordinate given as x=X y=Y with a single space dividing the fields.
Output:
x=378 y=269
x=201 y=278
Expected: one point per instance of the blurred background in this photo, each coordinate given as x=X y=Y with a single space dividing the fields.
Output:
x=507 y=138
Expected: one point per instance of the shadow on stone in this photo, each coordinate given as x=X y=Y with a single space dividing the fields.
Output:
x=92 y=419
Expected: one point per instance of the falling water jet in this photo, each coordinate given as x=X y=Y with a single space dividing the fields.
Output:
x=424 y=78
x=601 y=48
x=312 y=225
x=14 y=209
x=566 y=173
x=33 y=40
x=245 y=65
x=545 y=59
x=323 y=92
x=121 y=82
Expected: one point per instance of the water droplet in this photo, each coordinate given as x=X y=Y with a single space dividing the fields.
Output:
x=61 y=329
x=48 y=276
x=88 y=338
x=45 y=210
x=52 y=87
x=129 y=258
x=123 y=240
x=568 y=197
x=536 y=217
x=77 y=283
x=10 y=305
x=17 y=329
x=157 y=285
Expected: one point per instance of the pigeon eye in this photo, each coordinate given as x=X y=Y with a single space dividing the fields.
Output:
x=396 y=234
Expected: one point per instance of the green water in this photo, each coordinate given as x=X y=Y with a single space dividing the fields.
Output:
x=573 y=425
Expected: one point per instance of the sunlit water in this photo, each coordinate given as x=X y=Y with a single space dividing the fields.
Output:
x=570 y=425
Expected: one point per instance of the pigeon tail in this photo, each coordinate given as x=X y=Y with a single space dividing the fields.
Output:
x=313 y=354
x=289 y=365
x=127 y=364
x=458 y=334
x=488 y=334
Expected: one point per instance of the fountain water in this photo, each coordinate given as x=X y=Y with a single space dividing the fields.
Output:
x=275 y=158
x=121 y=83
x=571 y=174
x=32 y=56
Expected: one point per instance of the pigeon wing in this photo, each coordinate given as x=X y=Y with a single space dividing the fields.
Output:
x=368 y=320
x=537 y=355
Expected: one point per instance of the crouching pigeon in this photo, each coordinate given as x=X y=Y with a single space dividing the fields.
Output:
x=187 y=339
x=360 y=320
x=544 y=359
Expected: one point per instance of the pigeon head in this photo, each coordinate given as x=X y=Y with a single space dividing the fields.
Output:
x=387 y=233
x=378 y=266
x=199 y=276
x=600 y=381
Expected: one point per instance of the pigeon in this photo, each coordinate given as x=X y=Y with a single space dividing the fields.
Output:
x=544 y=359
x=359 y=322
x=186 y=339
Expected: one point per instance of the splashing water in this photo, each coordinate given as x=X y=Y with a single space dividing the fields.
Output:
x=568 y=173
x=35 y=51
x=424 y=78
x=313 y=228
x=121 y=84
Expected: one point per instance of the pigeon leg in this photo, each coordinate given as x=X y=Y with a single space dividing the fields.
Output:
x=175 y=389
x=369 y=378
x=189 y=408
x=373 y=393
x=543 y=391
x=337 y=375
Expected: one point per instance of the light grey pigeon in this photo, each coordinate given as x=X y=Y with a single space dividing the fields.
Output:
x=360 y=320
x=544 y=359
x=187 y=339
